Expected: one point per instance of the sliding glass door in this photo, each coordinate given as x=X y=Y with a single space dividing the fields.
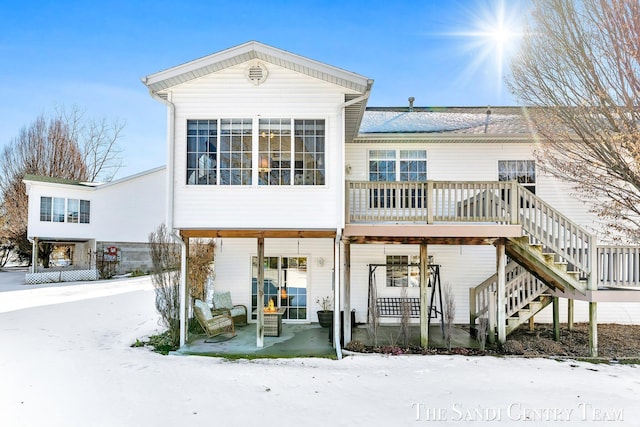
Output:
x=285 y=283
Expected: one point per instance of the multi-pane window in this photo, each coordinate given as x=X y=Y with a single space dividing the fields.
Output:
x=413 y=165
x=235 y=151
x=403 y=166
x=309 y=152
x=403 y=270
x=274 y=152
x=202 y=142
x=382 y=165
x=225 y=151
x=57 y=209
x=522 y=171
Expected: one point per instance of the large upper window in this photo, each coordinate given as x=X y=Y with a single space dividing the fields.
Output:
x=57 y=209
x=235 y=151
x=282 y=152
x=522 y=171
x=274 y=151
x=309 y=152
x=202 y=152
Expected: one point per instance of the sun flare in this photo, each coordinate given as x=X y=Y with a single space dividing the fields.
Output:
x=493 y=36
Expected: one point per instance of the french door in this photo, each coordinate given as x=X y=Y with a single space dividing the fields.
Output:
x=285 y=284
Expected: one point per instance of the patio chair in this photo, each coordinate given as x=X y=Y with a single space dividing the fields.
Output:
x=222 y=304
x=213 y=325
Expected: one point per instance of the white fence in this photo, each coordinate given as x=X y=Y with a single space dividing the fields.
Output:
x=61 y=276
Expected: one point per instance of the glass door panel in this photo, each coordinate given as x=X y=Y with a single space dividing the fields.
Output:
x=293 y=293
x=285 y=283
x=271 y=288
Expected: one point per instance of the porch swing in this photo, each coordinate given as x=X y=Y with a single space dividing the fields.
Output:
x=394 y=306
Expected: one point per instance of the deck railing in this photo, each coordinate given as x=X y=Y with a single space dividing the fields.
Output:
x=499 y=203
x=429 y=202
x=618 y=266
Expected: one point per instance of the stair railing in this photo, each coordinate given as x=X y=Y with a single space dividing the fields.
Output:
x=556 y=232
x=521 y=288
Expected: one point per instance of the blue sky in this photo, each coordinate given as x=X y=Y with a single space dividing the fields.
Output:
x=93 y=54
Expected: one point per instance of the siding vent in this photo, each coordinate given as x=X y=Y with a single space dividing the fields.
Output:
x=257 y=74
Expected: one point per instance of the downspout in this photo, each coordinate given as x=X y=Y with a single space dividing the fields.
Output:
x=337 y=266
x=170 y=211
x=337 y=324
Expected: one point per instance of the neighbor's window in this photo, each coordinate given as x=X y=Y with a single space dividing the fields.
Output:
x=73 y=206
x=52 y=209
x=522 y=171
x=85 y=211
x=403 y=270
x=58 y=209
x=45 y=208
x=202 y=143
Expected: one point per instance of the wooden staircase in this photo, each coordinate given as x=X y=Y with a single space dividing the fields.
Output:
x=554 y=254
x=545 y=265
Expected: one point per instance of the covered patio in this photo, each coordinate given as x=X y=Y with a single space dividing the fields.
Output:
x=309 y=340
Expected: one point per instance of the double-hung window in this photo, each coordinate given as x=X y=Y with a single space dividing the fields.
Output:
x=522 y=171
x=397 y=165
x=58 y=209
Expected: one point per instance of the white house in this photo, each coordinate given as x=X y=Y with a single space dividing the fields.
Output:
x=96 y=222
x=312 y=194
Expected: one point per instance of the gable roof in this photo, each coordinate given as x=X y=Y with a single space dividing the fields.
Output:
x=355 y=103
x=255 y=50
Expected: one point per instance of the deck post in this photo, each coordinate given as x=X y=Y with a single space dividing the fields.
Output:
x=532 y=324
x=472 y=309
x=347 y=292
x=260 y=299
x=425 y=296
x=501 y=319
x=492 y=317
x=570 y=314
x=556 y=318
x=34 y=255
x=593 y=329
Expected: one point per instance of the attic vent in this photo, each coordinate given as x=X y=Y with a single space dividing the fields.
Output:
x=257 y=74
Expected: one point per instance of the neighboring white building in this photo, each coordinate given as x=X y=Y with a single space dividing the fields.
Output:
x=95 y=221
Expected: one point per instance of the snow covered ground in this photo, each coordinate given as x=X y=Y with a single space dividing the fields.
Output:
x=66 y=360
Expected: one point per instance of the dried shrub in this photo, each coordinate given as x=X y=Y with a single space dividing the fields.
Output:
x=200 y=262
x=165 y=274
x=449 y=314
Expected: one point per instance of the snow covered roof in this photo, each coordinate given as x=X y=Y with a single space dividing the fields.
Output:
x=449 y=120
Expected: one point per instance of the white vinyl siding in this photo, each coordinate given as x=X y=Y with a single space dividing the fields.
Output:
x=287 y=95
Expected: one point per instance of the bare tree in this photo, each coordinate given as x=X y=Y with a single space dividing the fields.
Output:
x=64 y=146
x=580 y=63
x=165 y=274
